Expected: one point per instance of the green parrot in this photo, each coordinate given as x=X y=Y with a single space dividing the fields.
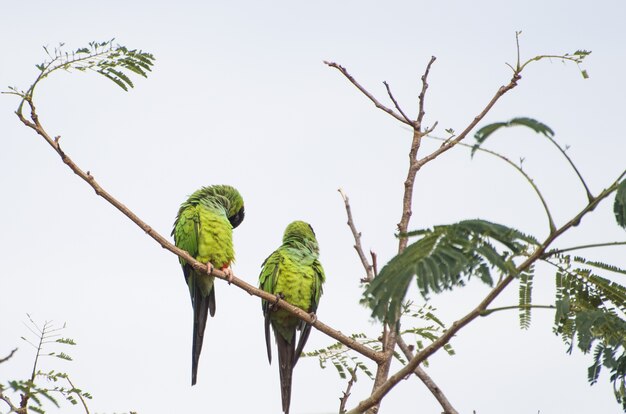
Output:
x=292 y=273
x=204 y=229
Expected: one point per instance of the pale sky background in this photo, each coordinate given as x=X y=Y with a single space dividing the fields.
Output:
x=240 y=95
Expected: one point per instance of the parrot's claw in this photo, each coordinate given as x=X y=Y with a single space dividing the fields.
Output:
x=313 y=316
x=228 y=272
x=209 y=268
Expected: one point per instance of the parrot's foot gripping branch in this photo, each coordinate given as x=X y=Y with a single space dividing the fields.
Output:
x=229 y=274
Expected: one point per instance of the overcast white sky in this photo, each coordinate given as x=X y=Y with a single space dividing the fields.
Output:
x=240 y=95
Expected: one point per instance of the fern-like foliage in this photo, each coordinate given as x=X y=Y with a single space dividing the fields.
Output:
x=590 y=314
x=525 y=297
x=341 y=357
x=446 y=257
x=424 y=328
x=113 y=61
x=56 y=383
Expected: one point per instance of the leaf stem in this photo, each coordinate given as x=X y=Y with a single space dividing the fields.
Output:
x=488 y=312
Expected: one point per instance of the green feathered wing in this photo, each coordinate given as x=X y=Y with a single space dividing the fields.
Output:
x=203 y=228
x=294 y=273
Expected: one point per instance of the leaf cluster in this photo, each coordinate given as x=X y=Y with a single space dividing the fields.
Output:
x=443 y=258
x=113 y=61
x=590 y=312
x=46 y=386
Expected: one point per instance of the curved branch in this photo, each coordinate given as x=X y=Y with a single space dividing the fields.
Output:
x=584 y=246
x=488 y=312
x=520 y=170
x=364 y=91
x=200 y=267
x=427 y=380
x=569 y=160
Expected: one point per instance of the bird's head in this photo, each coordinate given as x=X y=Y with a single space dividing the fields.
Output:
x=301 y=232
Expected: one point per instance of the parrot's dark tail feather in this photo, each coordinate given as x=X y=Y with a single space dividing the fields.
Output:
x=268 y=345
x=211 y=299
x=285 y=362
x=201 y=305
x=304 y=336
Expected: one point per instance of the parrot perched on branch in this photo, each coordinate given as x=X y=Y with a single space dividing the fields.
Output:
x=204 y=228
x=293 y=273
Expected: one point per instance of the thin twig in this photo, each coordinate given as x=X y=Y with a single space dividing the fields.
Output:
x=369 y=269
x=519 y=169
x=346 y=394
x=427 y=380
x=422 y=95
x=5 y=359
x=82 y=400
x=451 y=143
x=381 y=391
x=200 y=267
x=371 y=97
x=569 y=160
x=585 y=246
x=395 y=103
x=488 y=312
x=7 y=400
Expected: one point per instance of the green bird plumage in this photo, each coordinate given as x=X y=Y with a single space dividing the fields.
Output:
x=294 y=273
x=204 y=227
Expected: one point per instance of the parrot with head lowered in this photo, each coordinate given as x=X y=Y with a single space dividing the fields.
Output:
x=293 y=273
x=204 y=229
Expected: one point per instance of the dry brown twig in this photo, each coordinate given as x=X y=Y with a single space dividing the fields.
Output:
x=369 y=268
x=427 y=380
x=5 y=359
x=346 y=394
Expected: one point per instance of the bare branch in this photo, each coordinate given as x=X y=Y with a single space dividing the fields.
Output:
x=422 y=95
x=5 y=359
x=369 y=269
x=586 y=246
x=427 y=380
x=346 y=394
x=200 y=267
x=7 y=400
x=80 y=396
x=371 y=97
x=451 y=143
x=395 y=103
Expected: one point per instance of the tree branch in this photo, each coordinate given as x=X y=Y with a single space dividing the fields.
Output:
x=200 y=267
x=585 y=246
x=380 y=392
x=371 y=97
x=369 y=269
x=520 y=170
x=448 y=144
x=427 y=380
x=5 y=359
x=346 y=394
x=7 y=400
